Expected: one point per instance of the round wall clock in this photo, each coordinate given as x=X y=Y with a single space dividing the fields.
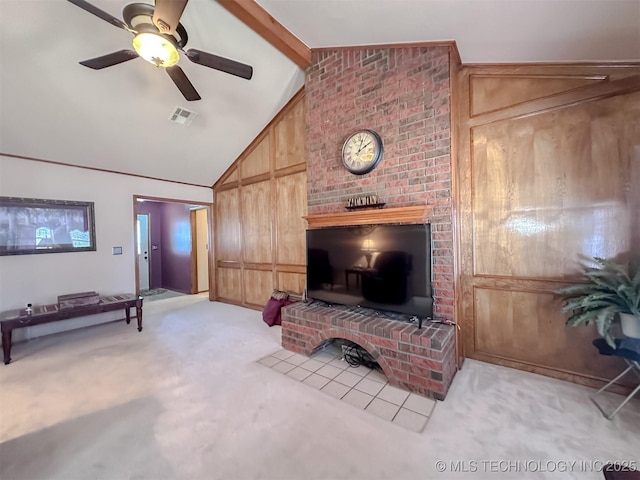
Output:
x=362 y=151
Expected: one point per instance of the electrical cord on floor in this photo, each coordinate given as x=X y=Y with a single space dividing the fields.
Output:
x=355 y=356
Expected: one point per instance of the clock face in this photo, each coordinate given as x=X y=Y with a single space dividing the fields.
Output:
x=362 y=151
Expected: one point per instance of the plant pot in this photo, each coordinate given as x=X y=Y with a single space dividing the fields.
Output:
x=630 y=325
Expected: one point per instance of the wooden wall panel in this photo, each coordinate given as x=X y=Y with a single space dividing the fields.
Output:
x=257 y=220
x=292 y=282
x=289 y=138
x=495 y=92
x=258 y=160
x=530 y=205
x=229 y=284
x=260 y=205
x=291 y=207
x=231 y=177
x=530 y=326
x=258 y=286
x=547 y=176
x=633 y=131
x=228 y=245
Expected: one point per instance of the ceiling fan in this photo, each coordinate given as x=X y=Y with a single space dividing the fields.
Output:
x=158 y=38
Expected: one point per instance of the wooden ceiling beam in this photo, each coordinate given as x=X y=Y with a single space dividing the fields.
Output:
x=259 y=20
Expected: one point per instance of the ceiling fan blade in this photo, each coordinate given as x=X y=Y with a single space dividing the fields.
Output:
x=167 y=13
x=99 y=13
x=110 y=59
x=183 y=83
x=220 y=63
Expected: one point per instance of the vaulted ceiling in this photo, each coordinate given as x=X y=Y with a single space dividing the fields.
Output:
x=116 y=119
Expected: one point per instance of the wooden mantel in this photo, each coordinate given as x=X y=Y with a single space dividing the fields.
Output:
x=412 y=214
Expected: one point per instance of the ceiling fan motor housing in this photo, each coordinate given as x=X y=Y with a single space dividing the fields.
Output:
x=139 y=18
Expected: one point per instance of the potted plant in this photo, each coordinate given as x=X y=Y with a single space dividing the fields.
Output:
x=612 y=289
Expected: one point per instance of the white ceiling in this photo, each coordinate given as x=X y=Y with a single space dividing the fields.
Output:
x=116 y=119
x=52 y=108
x=486 y=31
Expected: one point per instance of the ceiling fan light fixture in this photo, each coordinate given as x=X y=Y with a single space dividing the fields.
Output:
x=156 y=49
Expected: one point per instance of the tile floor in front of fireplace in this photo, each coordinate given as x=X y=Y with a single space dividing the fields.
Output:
x=361 y=387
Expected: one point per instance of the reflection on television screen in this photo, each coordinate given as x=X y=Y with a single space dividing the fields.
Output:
x=384 y=267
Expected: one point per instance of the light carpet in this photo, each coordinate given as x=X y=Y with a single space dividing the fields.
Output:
x=186 y=399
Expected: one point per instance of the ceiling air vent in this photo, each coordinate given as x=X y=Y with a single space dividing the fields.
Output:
x=182 y=116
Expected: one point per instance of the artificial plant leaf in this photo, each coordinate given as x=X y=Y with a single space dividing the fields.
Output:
x=582 y=317
x=580 y=289
x=611 y=288
x=584 y=301
x=603 y=325
x=613 y=267
x=605 y=280
x=635 y=279
x=630 y=297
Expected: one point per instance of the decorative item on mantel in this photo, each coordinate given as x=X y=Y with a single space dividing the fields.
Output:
x=364 y=201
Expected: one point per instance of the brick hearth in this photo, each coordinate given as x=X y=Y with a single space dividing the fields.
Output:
x=419 y=360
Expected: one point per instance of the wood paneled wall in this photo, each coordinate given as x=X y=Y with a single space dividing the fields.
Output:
x=548 y=175
x=260 y=203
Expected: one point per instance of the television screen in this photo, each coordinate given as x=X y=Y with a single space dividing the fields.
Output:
x=383 y=267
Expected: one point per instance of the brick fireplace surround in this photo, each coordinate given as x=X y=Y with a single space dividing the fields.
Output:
x=419 y=360
x=404 y=94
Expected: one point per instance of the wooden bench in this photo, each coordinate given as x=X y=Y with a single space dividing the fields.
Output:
x=13 y=319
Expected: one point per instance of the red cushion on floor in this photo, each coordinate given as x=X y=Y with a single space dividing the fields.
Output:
x=271 y=312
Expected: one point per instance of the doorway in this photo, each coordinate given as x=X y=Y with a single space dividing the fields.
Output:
x=200 y=245
x=173 y=242
x=143 y=248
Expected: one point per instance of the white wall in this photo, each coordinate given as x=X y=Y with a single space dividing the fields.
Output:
x=39 y=279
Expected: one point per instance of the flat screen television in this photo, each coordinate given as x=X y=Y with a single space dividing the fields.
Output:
x=382 y=267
